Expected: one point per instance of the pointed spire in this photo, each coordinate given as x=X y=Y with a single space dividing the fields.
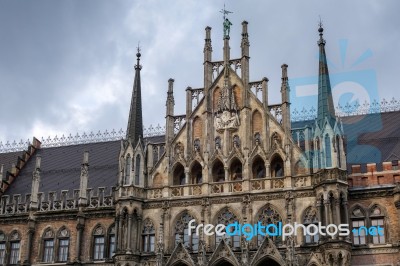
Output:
x=135 y=122
x=325 y=101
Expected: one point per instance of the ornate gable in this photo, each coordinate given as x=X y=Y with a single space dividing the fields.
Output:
x=223 y=251
x=180 y=253
x=267 y=250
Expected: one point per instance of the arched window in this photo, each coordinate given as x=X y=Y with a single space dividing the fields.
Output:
x=179 y=175
x=191 y=241
x=358 y=223
x=111 y=241
x=63 y=245
x=48 y=246
x=128 y=169
x=317 y=152
x=218 y=172
x=15 y=244
x=338 y=151
x=310 y=219
x=378 y=220
x=267 y=216
x=258 y=168
x=328 y=151
x=277 y=167
x=148 y=236
x=236 y=170
x=98 y=243
x=227 y=217
x=196 y=173
x=2 y=248
x=137 y=170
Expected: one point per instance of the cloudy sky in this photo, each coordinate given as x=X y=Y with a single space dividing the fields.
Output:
x=68 y=66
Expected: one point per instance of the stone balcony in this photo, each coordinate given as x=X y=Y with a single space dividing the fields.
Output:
x=230 y=187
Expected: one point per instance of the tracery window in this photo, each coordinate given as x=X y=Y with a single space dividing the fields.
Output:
x=377 y=219
x=15 y=241
x=267 y=216
x=358 y=223
x=182 y=232
x=227 y=217
x=63 y=245
x=148 y=236
x=48 y=246
x=98 y=243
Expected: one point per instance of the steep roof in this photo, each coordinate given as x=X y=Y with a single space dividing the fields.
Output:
x=61 y=168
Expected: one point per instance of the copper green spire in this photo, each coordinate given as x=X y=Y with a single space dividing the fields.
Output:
x=325 y=102
x=135 y=122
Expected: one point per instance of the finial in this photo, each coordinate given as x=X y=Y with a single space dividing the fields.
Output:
x=320 y=30
x=138 y=50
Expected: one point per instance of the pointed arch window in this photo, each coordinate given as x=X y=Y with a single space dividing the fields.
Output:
x=98 y=243
x=128 y=169
x=258 y=168
x=317 y=152
x=236 y=170
x=378 y=219
x=267 y=216
x=277 y=167
x=137 y=170
x=218 y=172
x=338 y=151
x=182 y=232
x=227 y=217
x=196 y=173
x=148 y=236
x=179 y=175
x=328 y=151
x=48 y=246
x=63 y=245
x=311 y=220
x=358 y=223
x=15 y=242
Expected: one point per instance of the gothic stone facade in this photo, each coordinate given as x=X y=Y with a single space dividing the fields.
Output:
x=231 y=157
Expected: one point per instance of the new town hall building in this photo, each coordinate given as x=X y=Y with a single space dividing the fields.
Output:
x=232 y=156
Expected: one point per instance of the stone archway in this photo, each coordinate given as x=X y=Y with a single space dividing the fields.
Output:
x=180 y=263
x=267 y=262
x=224 y=263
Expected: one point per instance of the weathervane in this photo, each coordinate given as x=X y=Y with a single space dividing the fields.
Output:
x=320 y=22
x=227 y=23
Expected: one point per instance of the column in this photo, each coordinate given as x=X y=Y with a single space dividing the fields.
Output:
x=128 y=242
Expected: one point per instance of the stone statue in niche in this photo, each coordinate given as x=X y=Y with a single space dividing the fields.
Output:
x=226 y=116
